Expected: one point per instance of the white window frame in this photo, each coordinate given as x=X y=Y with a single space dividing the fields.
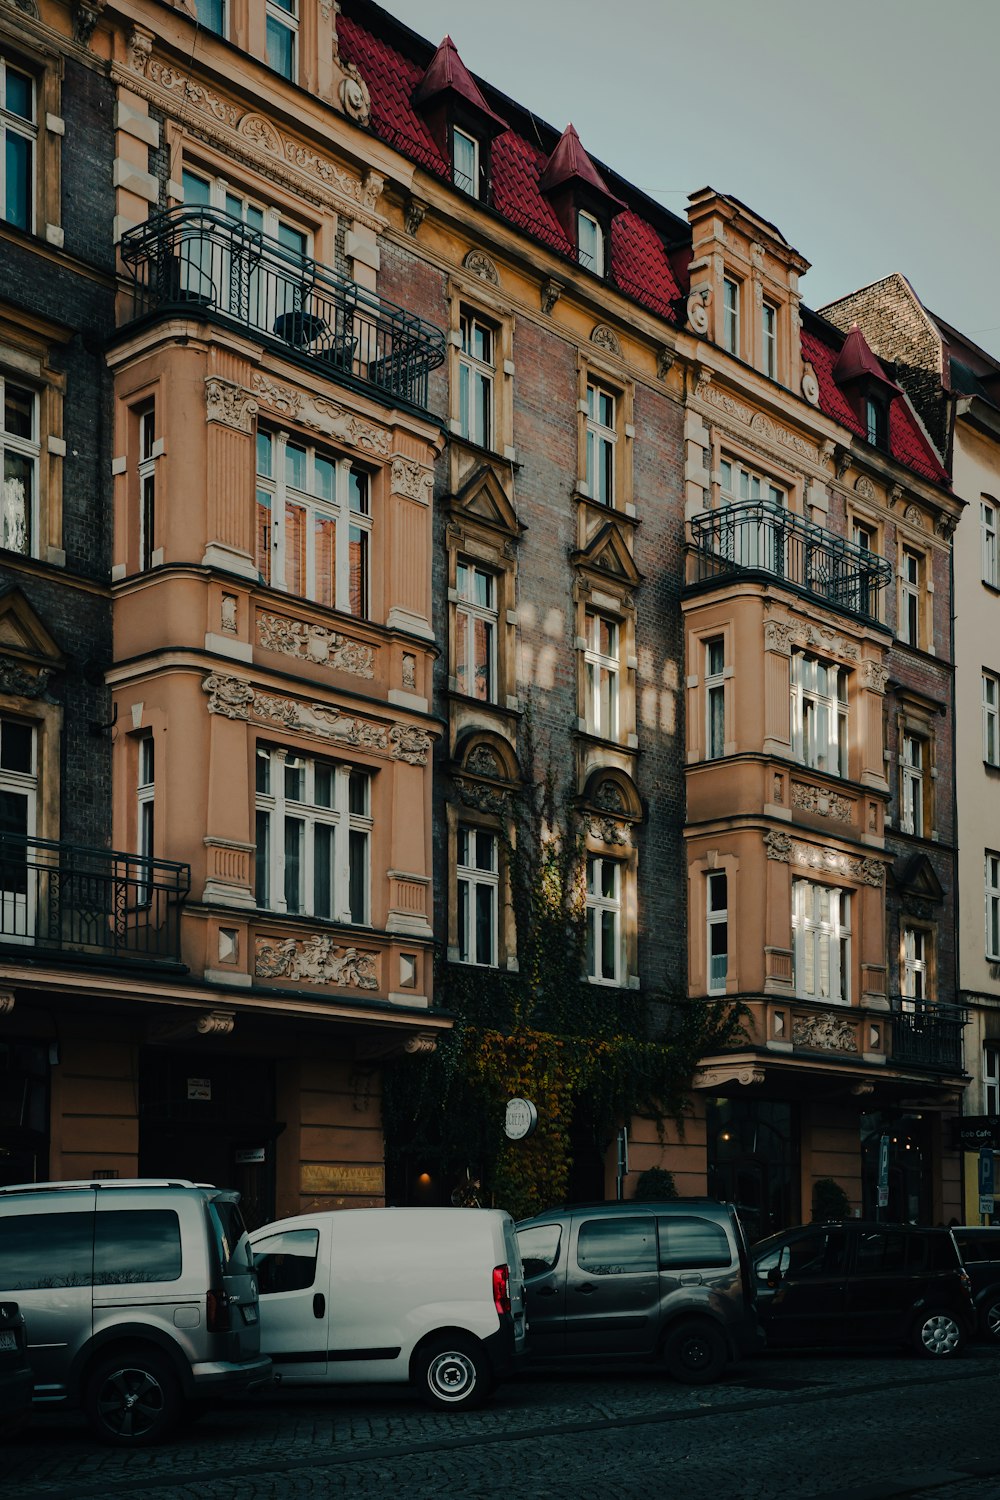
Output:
x=909 y=597
x=769 y=339
x=466 y=183
x=476 y=379
x=988 y=542
x=821 y=944
x=202 y=6
x=604 y=912
x=991 y=718
x=731 y=315
x=477 y=883
x=145 y=797
x=348 y=510
x=350 y=830
x=715 y=698
x=991 y=1078
x=601 y=458
x=993 y=906
x=147 y=484
x=602 y=675
x=914 y=967
x=717 y=924
x=18 y=906
x=820 y=713
x=476 y=619
x=19 y=515
x=590 y=247
x=912 y=769
x=286 y=17
x=12 y=124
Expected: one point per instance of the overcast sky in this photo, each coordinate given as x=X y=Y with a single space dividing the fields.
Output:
x=867 y=131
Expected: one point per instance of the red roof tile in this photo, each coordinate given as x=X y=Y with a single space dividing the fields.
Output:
x=447 y=74
x=857 y=362
x=570 y=163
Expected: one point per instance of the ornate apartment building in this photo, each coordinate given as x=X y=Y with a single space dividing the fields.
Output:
x=430 y=444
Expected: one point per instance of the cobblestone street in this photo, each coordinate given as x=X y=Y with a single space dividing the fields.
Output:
x=823 y=1427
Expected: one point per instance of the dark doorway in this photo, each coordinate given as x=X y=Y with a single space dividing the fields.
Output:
x=24 y=1112
x=753 y=1161
x=909 y=1178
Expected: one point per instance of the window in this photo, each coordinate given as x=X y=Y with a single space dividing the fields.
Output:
x=614 y=1247
x=145 y=798
x=876 y=425
x=604 y=920
x=147 y=485
x=20 y=447
x=819 y=714
x=136 y=1245
x=909 y=598
x=18 y=800
x=602 y=436
x=476 y=370
x=478 y=896
x=601 y=673
x=715 y=698
x=754 y=536
x=465 y=162
x=988 y=542
x=19 y=134
x=267 y=298
x=731 y=316
x=686 y=1240
x=314 y=524
x=991 y=1079
x=993 y=906
x=212 y=15
x=286 y=1262
x=313 y=837
x=590 y=243
x=991 y=719
x=913 y=966
x=718 y=931
x=769 y=340
x=864 y=597
x=539 y=1248
x=821 y=939
x=476 y=631
x=282 y=36
x=911 y=785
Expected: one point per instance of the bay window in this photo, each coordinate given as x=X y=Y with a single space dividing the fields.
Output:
x=819 y=714
x=313 y=837
x=821 y=941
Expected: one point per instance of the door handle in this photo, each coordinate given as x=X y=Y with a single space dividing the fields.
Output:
x=690 y=1278
x=319 y=1305
x=586 y=1286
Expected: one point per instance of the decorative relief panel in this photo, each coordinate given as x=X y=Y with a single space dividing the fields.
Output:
x=827 y=804
x=481 y=265
x=481 y=797
x=21 y=683
x=606 y=338
x=610 y=831
x=318 y=643
x=316 y=959
x=320 y=414
x=782 y=846
x=782 y=635
x=756 y=421
x=229 y=403
x=874 y=676
x=826 y=1033
x=236 y=699
x=864 y=487
x=411 y=479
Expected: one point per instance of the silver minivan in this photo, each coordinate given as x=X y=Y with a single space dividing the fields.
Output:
x=139 y=1298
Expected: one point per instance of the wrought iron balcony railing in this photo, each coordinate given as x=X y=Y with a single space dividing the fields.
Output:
x=927 y=1033
x=97 y=903
x=757 y=537
x=204 y=259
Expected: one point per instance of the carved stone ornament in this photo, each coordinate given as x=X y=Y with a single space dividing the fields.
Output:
x=418 y=1045
x=552 y=290
x=830 y=861
x=409 y=744
x=874 y=676
x=697 y=309
x=781 y=635
x=320 y=414
x=6 y=1002
x=19 y=682
x=482 y=761
x=739 y=411
x=413 y=215
x=825 y=1033
x=236 y=699
x=307 y=641
x=411 y=479
x=480 y=265
x=746 y=1074
x=481 y=797
x=778 y=846
x=778 y=637
x=86 y=14
x=229 y=403
x=606 y=338
x=229 y=696
x=610 y=798
x=810 y=385
x=818 y=800
x=664 y=362
x=215 y=1023
x=844 y=460
x=864 y=487
x=610 y=831
x=317 y=960
x=354 y=96
x=409 y=671
x=945 y=527
x=227 y=614
x=914 y=515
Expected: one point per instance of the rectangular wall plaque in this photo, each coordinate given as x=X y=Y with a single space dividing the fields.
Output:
x=320 y=1177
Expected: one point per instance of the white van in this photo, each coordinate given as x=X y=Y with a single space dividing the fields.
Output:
x=432 y=1296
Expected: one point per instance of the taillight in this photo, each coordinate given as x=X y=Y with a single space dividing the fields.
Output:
x=501 y=1289
x=217 y=1312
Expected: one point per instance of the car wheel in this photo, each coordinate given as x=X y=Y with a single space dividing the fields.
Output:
x=453 y=1373
x=939 y=1335
x=132 y=1399
x=695 y=1352
x=991 y=1319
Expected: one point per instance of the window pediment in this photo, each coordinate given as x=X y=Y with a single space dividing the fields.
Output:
x=26 y=647
x=487 y=757
x=608 y=553
x=482 y=499
x=611 y=793
x=916 y=877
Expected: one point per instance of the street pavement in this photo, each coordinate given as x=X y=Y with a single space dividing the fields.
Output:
x=824 y=1426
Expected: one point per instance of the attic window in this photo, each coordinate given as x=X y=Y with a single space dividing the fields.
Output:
x=465 y=162
x=876 y=422
x=590 y=243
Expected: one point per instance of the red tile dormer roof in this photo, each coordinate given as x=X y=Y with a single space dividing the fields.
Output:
x=447 y=75
x=570 y=163
x=857 y=362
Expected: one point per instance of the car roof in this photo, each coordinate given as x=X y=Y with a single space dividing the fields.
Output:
x=626 y=1206
x=114 y=1184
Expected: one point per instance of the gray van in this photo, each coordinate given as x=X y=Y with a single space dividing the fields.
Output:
x=664 y=1281
x=139 y=1298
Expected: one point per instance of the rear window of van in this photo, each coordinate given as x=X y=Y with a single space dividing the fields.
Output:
x=689 y=1240
x=136 y=1245
x=231 y=1240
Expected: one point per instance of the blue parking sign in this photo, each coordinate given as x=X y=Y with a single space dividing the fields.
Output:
x=986 y=1180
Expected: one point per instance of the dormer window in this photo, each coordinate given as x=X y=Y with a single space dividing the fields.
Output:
x=590 y=243
x=866 y=385
x=731 y=315
x=282 y=28
x=465 y=162
x=876 y=423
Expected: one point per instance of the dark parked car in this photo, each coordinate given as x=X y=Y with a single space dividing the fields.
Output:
x=640 y=1281
x=16 y=1381
x=849 y=1282
x=979 y=1248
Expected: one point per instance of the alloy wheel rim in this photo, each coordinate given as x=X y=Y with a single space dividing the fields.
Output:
x=131 y=1402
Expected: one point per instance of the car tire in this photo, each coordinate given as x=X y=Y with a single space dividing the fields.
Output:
x=695 y=1352
x=991 y=1319
x=938 y=1335
x=453 y=1374
x=132 y=1398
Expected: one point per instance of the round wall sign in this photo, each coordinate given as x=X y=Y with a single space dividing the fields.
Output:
x=521 y=1119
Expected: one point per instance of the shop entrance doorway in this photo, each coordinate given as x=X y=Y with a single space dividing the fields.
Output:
x=753 y=1161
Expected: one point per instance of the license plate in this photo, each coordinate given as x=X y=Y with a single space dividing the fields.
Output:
x=249 y=1313
x=8 y=1340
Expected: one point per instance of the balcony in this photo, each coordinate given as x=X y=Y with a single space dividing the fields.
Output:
x=927 y=1034
x=758 y=539
x=96 y=904
x=202 y=260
